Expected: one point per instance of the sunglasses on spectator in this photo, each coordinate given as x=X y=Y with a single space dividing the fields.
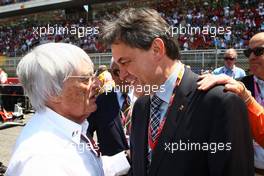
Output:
x=229 y=58
x=116 y=72
x=258 y=51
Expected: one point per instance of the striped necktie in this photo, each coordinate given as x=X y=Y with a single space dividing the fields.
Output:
x=126 y=117
x=155 y=117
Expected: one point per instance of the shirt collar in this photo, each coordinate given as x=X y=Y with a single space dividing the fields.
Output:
x=229 y=69
x=260 y=82
x=119 y=95
x=168 y=86
x=67 y=127
x=130 y=94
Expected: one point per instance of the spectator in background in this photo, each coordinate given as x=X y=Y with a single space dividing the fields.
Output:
x=229 y=67
x=111 y=120
x=3 y=76
x=105 y=77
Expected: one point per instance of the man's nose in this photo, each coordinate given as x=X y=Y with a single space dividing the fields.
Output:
x=95 y=84
x=123 y=73
x=252 y=56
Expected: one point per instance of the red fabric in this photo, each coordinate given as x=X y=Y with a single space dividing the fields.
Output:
x=256 y=119
x=12 y=80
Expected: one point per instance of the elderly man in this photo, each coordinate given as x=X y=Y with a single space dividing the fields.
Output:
x=177 y=130
x=255 y=83
x=229 y=68
x=58 y=79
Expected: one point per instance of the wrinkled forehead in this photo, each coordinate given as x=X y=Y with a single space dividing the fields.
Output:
x=257 y=41
x=84 y=68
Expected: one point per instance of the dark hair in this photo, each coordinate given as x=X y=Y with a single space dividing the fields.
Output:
x=138 y=28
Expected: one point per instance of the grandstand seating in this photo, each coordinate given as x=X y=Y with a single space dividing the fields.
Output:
x=6 y=2
x=245 y=19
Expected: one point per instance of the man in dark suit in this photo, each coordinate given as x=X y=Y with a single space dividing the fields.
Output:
x=177 y=130
x=108 y=119
x=255 y=83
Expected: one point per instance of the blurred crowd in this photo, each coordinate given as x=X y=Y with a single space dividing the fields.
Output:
x=244 y=19
x=19 y=39
x=6 y=2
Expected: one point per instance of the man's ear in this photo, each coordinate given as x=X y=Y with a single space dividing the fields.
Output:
x=158 y=48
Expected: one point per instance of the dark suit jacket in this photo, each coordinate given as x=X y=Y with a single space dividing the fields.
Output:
x=249 y=83
x=106 y=122
x=206 y=118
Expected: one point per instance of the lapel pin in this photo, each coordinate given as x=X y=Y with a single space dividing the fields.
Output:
x=181 y=107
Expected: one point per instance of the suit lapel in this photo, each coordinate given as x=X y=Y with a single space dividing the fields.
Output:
x=139 y=136
x=174 y=118
x=117 y=119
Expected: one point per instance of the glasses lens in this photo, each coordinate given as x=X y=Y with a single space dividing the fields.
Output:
x=84 y=79
x=259 y=51
x=247 y=52
x=229 y=58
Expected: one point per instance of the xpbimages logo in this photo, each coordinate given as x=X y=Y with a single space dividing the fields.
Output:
x=212 y=31
x=80 y=31
x=211 y=147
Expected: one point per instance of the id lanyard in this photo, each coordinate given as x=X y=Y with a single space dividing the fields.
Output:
x=152 y=144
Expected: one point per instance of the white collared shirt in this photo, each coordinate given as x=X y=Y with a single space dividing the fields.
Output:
x=50 y=145
x=167 y=89
x=165 y=93
x=235 y=72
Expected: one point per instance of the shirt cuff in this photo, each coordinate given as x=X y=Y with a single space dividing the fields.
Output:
x=116 y=164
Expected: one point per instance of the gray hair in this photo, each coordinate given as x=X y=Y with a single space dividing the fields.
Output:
x=43 y=70
x=138 y=28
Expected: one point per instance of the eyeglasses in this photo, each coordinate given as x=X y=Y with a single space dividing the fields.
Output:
x=229 y=58
x=85 y=79
x=258 y=51
x=116 y=72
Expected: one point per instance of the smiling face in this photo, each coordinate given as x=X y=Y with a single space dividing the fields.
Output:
x=256 y=63
x=136 y=66
x=77 y=99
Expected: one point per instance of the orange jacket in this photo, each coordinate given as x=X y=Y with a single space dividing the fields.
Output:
x=256 y=119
